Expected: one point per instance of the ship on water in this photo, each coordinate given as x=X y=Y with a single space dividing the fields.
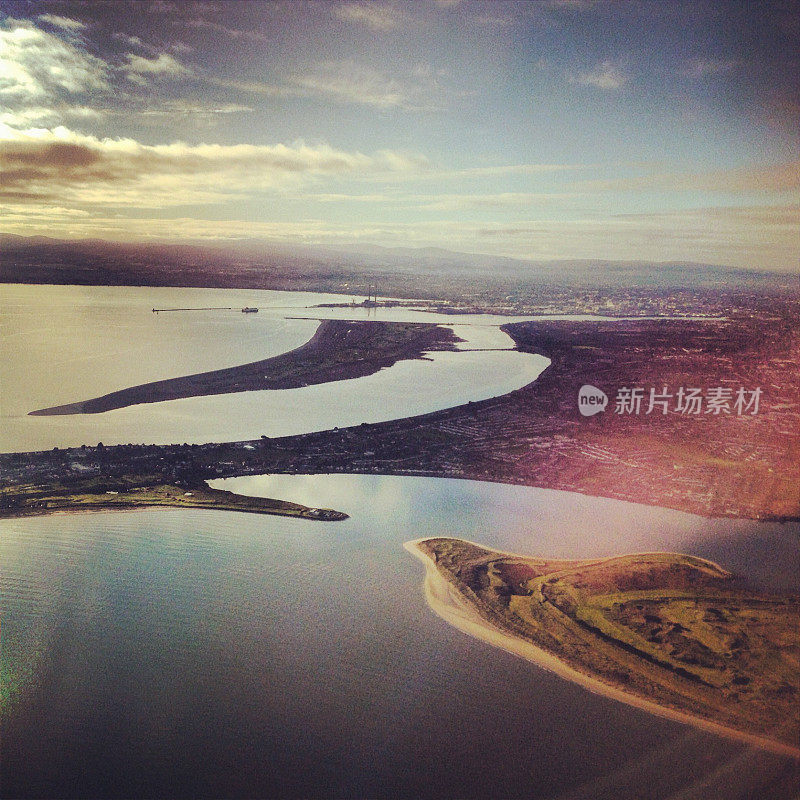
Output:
x=249 y=310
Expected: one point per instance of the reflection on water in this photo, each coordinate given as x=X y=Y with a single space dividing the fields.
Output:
x=546 y=522
x=201 y=653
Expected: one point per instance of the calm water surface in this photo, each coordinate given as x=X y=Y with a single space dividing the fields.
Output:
x=201 y=653
x=61 y=344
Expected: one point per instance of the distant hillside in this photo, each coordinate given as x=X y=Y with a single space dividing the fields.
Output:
x=424 y=272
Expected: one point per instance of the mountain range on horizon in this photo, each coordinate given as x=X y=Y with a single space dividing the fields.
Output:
x=256 y=263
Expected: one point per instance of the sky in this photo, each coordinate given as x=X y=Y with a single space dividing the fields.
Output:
x=560 y=129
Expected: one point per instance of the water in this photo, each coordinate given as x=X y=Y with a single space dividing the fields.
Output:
x=61 y=344
x=199 y=653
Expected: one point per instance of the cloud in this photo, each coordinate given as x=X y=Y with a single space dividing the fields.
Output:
x=505 y=200
x=234 y=33
x=65 y=23
x=573 y=5
x=351 y=83
x=46 y=116
x=58 y=221
x=162 y=7
x=131 y=41
x=498 y=170
x=608 y=75
x=170 y=108
x=444 y=201
x=512 y=169
x=783 y=177
x=71 y=166
x=495 y=22
x=373 y=15
x=756 y=237
x=752 y=237
x=37 y=65
x=698 y=68
x=161 y=66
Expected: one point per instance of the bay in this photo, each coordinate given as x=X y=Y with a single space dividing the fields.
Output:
x=202 y=653
x=60 y=344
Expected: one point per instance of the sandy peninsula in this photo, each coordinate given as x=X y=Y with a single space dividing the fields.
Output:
x=567 y=642
x=339 y=350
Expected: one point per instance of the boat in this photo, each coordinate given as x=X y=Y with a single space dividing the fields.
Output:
x=248 y=310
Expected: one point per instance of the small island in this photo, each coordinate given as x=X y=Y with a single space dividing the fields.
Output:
x=673 y=634
x=94 y=494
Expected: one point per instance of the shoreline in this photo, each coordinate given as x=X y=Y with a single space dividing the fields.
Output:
x=448 y=603
x=710 y=465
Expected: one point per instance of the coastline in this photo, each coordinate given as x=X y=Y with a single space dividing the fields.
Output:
x=447 y=602
x=710 y=465
x=90 y=499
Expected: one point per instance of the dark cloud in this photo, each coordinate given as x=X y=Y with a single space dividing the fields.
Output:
x=94 y=168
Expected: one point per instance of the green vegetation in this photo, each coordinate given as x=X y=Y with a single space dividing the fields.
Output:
x=672 y=629
x=97 y=495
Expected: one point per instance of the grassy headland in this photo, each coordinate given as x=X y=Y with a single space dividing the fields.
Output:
x=671 y=633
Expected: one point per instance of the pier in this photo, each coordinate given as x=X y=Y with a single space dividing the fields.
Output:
x=210 y=308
